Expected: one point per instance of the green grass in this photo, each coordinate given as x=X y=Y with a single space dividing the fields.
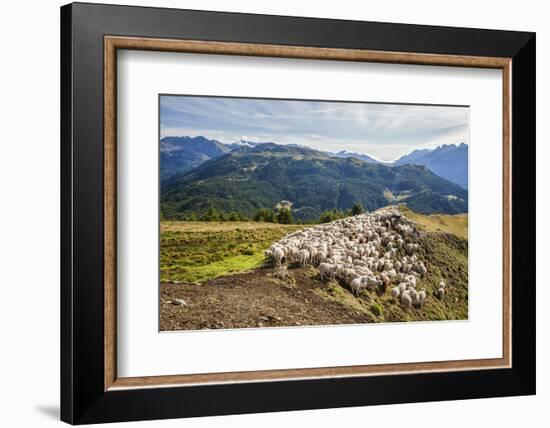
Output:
x=447 y=258
x=336 y=293
x=456 y=224
x=197 y=251
x=376 y=309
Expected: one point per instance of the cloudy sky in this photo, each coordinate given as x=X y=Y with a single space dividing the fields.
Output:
x=384 y=131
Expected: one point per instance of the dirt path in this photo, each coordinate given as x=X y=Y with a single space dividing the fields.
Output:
x=253 y=299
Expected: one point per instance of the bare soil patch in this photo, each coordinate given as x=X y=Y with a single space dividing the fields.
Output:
x=254 y=299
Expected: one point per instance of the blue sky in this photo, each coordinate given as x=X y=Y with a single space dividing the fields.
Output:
x=384 y=131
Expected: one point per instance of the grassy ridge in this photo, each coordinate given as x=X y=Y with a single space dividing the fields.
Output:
x=454 y=224
x=447 y=257
x=201 y=251
x=197 y=251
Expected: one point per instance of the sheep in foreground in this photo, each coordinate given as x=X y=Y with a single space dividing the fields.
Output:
x=327 y=270
x=278 y=256
x=373 y=251
x=303 y=257
x=356 y=285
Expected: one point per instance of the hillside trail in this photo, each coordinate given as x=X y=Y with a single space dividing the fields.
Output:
x=253 y=299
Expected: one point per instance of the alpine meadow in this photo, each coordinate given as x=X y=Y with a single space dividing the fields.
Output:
x=285 y=213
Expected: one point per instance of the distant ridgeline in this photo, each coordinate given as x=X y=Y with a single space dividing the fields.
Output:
x=204 y=178
x=447 y=161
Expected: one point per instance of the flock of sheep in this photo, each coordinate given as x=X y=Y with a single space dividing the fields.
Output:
x=370 y=251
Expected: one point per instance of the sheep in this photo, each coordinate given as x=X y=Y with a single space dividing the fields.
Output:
x=391 y=273
x=421 y=269
x=410 y=280
x=395 y=292
x=440 y=293
x=327 y=269
x=303 y=257
x=372 y=283
x=278 y=255
x=441 y=284
x=367 y=251
x=406 y=300
x=414 y=295
x=384 y=277
x=421 y=297
x=357 y=285
x=359 y=262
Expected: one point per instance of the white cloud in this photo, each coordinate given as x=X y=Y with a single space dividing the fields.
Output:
x=385 y=131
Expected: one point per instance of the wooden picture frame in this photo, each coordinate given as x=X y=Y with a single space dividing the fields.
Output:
x=91 y=390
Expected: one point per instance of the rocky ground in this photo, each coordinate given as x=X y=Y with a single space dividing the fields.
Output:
x=253 y=299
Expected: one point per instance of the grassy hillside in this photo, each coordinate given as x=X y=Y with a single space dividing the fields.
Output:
x=444 y=248
x=447 y=257
x=197 y=251
x=455 y=224
x=218 y=269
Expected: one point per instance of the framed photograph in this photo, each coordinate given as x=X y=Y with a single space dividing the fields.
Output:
x=266 y=213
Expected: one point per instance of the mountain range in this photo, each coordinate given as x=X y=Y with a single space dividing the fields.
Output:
x=181 y=154
x=262 y=175
x=362 y=156
x=448 y=161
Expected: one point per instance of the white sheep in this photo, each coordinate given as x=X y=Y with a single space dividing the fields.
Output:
x=421 y=269
x=406 y=300
x=395 y=292
x=327 y=269
x=357 y=285
x=278 y=255
x=363 y=252
x=414 y=296
x=371 y=282
x=303 y=257
x=421 y=297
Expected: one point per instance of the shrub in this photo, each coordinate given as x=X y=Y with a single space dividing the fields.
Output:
x=264 y=214
x=376 y=309
x=284 y=216
x=331 y=215
x=210 y=215
x=357 y=209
